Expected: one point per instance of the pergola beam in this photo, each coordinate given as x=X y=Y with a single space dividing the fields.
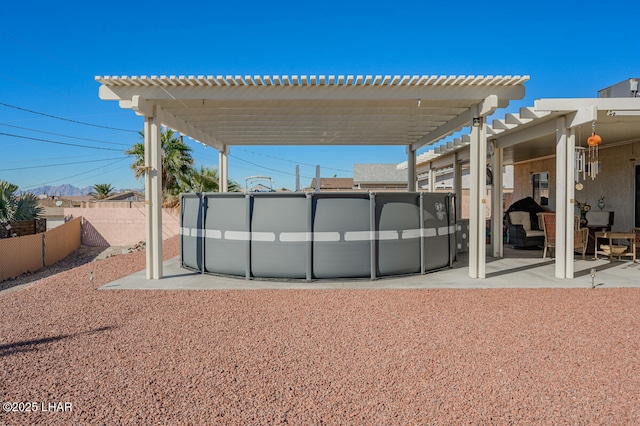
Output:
x=143 y=107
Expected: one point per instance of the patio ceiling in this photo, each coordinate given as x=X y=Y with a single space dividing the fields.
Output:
x=223 y=111
x=531 y=134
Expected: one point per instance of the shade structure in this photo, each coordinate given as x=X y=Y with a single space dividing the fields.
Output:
x=222 y=111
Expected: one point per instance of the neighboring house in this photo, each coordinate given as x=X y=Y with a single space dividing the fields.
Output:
x=333 y=184
x=53 y=207
x=122 y=199
x=125 y=196
x=379 y=176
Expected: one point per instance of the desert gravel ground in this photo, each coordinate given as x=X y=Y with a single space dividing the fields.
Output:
x=433 y=357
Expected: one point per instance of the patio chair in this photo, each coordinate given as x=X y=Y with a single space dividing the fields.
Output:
x=523 y=229
x=580 y=237
x=548 y=224
x=637 y=232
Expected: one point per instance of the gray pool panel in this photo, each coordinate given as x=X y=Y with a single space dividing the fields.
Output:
x=190 y=231
x=226 y=234
x=317 y=235
x=398 y=245
x=341 y=236
x=437 y=231
x=278 y=236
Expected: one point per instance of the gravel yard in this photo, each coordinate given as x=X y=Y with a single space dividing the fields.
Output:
x=502 y=356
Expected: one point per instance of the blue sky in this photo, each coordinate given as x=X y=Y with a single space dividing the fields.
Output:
x=51 y=52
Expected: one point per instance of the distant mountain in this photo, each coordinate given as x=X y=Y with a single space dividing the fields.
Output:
x=68 y=190
x=61 y=190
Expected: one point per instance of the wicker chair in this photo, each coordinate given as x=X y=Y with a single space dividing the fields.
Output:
x=637 y=232
x=548 y=224
x=521 y=222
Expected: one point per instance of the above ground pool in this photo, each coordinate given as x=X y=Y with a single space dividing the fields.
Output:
x=324 y=235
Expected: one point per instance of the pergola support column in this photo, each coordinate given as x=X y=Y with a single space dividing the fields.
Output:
x=565 y=147
x=477 y=201
x=497 y=242
x=411 y=169
x=223 y=172
x=153 y=193
x=457 y=185
x=432 y=179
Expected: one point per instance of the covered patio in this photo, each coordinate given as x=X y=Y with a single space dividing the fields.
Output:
x=550 y=136
x=222 y=111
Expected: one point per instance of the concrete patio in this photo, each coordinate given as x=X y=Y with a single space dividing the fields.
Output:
x=518 y=269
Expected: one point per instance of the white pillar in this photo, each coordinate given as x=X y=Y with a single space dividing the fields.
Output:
x=432 y=179
x=411 y=172
x=153 y=194
x=496 y=203
x=569 y=203
x=478 y=193
x=457 y=185
x=147 y=197
x=561 y=197
x=223 y=172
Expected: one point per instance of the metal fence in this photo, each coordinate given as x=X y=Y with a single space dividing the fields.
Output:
x=317 y=235
x=32 y=252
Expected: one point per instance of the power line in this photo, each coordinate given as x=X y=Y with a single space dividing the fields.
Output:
x=292 y=161
x=66 y=119
x=35 y=160
x=59 y=143
x=56 y=165
x=76 y=175
x=267 y=168
x=65 y=136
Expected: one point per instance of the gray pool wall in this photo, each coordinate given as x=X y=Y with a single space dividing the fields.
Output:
x=317 y=235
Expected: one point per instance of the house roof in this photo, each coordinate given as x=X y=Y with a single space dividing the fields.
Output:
x=333 y=183
x=124 y=196
x=222 y=111
x=378 y=174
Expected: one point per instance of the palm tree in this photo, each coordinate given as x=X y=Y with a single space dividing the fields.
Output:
x=14 y=207
x=101 y=191
x=204 y=180
x=176 y=160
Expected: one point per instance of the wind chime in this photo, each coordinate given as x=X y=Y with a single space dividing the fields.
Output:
x=579 y=163
x=594 y=142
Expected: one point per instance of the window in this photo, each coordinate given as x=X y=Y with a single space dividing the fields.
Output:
x=540 y=188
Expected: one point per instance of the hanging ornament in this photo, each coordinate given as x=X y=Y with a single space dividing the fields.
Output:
x=579 y=163
x=594 y=142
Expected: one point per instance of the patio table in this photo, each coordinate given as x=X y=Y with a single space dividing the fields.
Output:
x=617 y=236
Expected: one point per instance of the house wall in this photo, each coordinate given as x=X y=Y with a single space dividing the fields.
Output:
x=119 y=226
x=616 y=182
x=522 y=185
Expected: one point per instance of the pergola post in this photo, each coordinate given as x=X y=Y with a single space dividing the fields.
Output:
x=477 y=201
x=565 y=147
x=496 y=202
x=153 y=193
x=432 y=179
x=411 y=169
x=457 y=185
x=569 y=205
x=223 y=172
x=562 y=178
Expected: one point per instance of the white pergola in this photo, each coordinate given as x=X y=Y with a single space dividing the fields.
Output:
x=222 y=111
